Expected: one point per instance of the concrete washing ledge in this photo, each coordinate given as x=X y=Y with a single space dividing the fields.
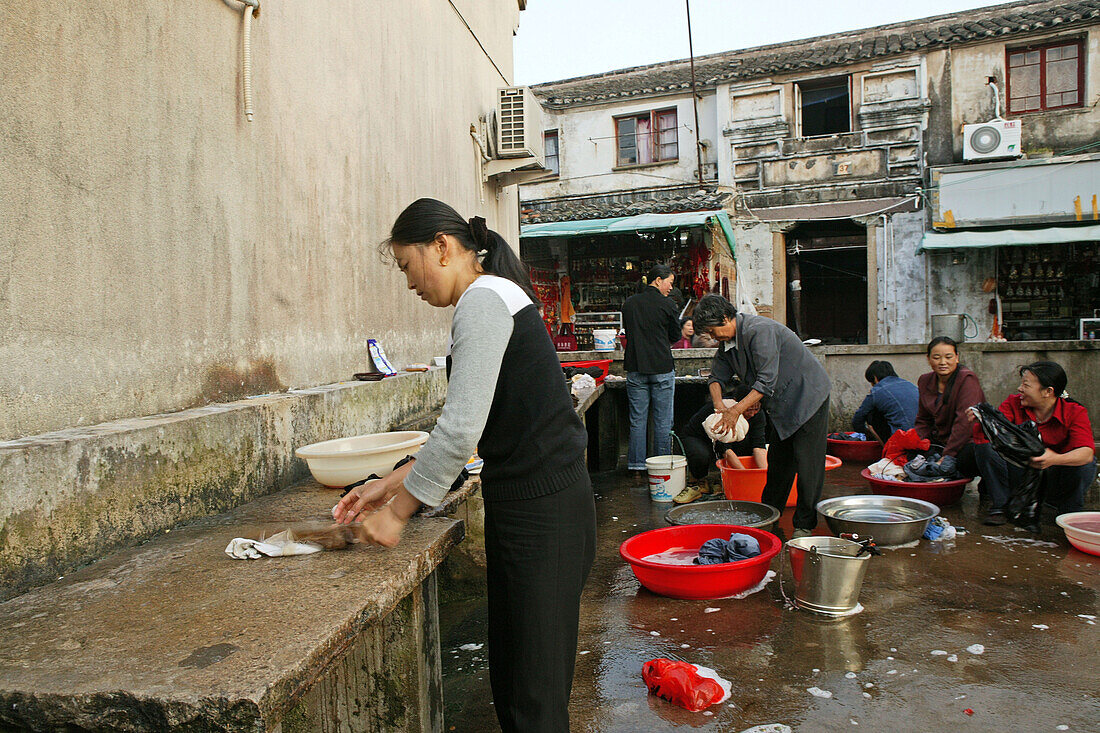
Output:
x=176 y=635
x=70 y=497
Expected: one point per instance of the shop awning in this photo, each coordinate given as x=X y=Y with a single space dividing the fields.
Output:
x=982 y=239
x=638 y=223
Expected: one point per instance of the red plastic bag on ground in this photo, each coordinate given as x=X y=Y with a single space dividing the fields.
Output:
x=687 y=685
x=900 y=442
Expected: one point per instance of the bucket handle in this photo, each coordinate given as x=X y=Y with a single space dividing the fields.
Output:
x=971 y=322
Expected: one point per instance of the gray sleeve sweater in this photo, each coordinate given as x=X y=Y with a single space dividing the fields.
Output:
x=480 y=331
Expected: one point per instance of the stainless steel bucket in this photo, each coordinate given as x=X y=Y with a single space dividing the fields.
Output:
x=828 y=574
x=953 y=325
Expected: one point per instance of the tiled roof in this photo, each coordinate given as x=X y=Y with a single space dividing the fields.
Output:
x=838 y=49
x=604 y=207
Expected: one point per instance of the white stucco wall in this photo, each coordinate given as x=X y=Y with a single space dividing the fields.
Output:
x=754 y=262
x=157 y=251
x=588 y=151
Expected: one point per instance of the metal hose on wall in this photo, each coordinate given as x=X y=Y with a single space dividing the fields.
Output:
x=250 y=7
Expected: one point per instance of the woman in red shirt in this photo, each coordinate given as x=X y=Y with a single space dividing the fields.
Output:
x=1069 y=463
x=943 y=396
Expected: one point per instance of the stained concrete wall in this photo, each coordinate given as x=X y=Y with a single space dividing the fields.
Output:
x=158 y=252
x=72 y=496
x=902 y=280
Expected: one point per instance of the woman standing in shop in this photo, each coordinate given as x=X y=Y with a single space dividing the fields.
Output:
x=652 y=326
x=539 y=511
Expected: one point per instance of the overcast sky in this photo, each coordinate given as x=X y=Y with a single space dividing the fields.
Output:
x=559 y=39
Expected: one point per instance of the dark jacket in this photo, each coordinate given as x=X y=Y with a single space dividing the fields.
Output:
x=770 y=358
x=895 y=399
x=652 y=326
x=944 y=421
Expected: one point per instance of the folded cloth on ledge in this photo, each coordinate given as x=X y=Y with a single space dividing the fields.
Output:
x=737 y=547
x=277 y=545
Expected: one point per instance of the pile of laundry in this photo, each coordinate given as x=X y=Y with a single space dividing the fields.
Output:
x=847 y=436
x=737 y=547
x=906 y=458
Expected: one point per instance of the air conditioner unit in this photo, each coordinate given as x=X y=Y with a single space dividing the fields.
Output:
x=993 y=139
x=518 y=128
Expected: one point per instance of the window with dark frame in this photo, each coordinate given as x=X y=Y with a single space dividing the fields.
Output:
x=649 y=137
x=1045 y=77
x=825 y=107
x=550 y=151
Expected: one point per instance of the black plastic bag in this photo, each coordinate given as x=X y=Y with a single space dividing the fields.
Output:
x=1017 y=444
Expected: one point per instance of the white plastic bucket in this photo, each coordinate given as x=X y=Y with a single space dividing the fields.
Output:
x=667 y=476
x=604 y=339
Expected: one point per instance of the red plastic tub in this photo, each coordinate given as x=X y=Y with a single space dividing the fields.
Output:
x=697 y=582
x=748 y=484
x=604 y=364
x=942 y=493
x=856 y=450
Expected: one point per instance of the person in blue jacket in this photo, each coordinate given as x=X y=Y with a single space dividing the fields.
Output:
x=891 y=405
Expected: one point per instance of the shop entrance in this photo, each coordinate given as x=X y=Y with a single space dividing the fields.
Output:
x=827 y=282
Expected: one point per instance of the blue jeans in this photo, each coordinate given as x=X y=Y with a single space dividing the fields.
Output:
x=1064 y=487
x=643 y=393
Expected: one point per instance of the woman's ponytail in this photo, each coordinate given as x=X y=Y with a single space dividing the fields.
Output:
x=499 y=259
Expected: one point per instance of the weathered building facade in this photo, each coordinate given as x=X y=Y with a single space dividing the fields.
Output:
x=822 y=150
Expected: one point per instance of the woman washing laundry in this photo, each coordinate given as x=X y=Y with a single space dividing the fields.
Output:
x=944 y=394
x=539 y=510
x=1069 y=464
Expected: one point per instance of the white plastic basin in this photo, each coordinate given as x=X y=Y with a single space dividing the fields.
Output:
x=1085 y=540
x=346 y=460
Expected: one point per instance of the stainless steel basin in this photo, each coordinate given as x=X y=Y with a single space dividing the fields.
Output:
x=890 y=520
x=743 y=513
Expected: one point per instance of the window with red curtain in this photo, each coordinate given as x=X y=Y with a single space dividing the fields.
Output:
x=1045 y=77
x=649 y=137
x=550 y=150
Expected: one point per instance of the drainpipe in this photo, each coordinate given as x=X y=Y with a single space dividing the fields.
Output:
x=992 y=83
x=251 y=7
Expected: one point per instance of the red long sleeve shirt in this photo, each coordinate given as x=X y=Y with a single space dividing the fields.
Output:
x=1067 y=428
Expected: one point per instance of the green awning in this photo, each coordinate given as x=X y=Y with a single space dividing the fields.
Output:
x=638 y=223
x=983 y=239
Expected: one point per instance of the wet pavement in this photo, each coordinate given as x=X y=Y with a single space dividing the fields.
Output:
x=902 y=664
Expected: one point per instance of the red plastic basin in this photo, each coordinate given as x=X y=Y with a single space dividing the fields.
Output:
x=855 y=450
x=697 y=582
x=943 y=493
x=748 y=484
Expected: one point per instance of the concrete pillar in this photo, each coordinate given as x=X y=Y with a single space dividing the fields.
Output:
x=390 y=679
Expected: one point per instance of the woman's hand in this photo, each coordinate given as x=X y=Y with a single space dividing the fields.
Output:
x=729 y=418
x=971 y=414
x=1048 y=459
x=364 y=499
x=383 y=527
x=370 y=496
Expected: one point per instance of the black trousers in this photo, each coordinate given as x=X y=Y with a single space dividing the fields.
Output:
x=701 y=451
x=802 y=453
x=538 y=553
